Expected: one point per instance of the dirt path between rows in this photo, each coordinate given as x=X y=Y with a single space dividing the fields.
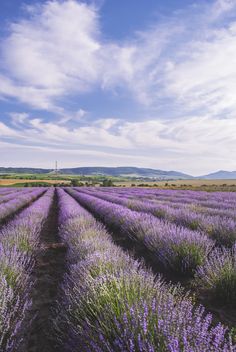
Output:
x=39 y=335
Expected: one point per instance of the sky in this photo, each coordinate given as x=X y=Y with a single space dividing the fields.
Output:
x=147 y=83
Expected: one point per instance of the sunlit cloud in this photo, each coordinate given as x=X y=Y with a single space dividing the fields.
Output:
x=183 y=65
x=205 y=140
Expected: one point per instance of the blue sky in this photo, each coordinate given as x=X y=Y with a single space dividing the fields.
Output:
x=110 y=83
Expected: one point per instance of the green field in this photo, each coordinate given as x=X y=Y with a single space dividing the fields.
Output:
x=24 y=180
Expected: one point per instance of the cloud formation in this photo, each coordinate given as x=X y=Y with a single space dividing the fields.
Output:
x=185 y=62
x=59 y=50
x=51 y=53
x=199 y=142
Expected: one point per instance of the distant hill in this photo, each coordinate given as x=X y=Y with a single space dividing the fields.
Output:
x=23 y=170
x=122 y=171
x=126 y=171
x=220 y=175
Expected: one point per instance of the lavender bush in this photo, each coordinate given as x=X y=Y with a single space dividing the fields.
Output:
x=178 y=249
x=12 y=195
x=111 y=303
x=217 y=277
x=20 y=201
x=18 y=241
x=220 y=225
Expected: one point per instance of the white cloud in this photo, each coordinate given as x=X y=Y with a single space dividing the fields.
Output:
x=59 y=51
x=6 y=131
x=19 y=119
x=19 y=155
x=52 y=53
x=189 y=60
x=207 y=77
x=220 y=7
x=75 y=117
x=186 y=61
x=31 y=95
x=194 y=144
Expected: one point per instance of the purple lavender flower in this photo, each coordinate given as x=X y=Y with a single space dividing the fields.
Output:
x=111 y=303
x=176 y=248
x=18 y=240
x=217 y=277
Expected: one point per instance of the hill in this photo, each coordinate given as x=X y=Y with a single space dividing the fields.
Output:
x=23 y=170
x=220 y=175
x=122 y=171
x=126 y=171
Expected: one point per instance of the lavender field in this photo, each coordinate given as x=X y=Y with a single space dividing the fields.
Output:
x=117 y=269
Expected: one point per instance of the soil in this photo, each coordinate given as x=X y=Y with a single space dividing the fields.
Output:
x=50 y=267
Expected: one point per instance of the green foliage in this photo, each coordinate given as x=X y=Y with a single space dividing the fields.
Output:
x=225 y=285
x=233 y=334
x=217 y=277
x=189 y=255
x=10 y=274
x=76 y=183
x=107 y=183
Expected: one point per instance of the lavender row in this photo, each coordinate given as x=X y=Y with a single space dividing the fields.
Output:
x=213 y=202
x=111 y=303
x=7 y=190
x=212 y=205
x=18 y=242
x=222 y=229
x=7 y=197
x=209 y=208
x=228 y=197
x=176 y=249
x=11 y=207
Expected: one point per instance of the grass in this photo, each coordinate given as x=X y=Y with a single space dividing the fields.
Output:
x=17 y=180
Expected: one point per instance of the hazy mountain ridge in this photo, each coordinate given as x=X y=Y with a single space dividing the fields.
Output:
x=125 y=171
x=24 y=170
x=220 y=175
